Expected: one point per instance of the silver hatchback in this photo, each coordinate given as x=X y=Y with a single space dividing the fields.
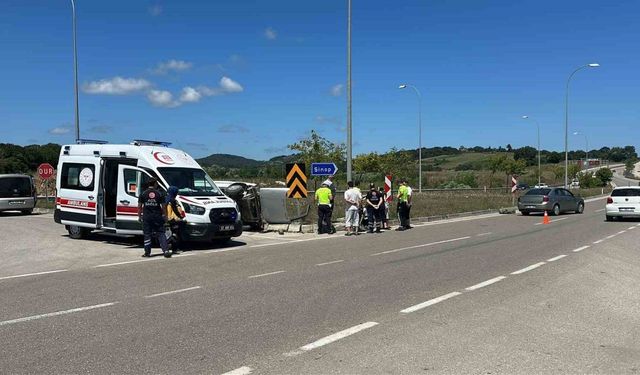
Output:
x=552 y=200
x=17 y=193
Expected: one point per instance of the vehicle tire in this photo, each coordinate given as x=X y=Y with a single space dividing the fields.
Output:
x=556 y=210
x=580 y=208
x=77 y=233
x=525 y=213
x=27 y=212
x=609 y=218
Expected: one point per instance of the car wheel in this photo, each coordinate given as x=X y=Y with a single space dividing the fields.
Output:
x=525 y=213
x=580 y=208
x=556 y=210
x=76 y=232
x=27 y=212
x=609 y=218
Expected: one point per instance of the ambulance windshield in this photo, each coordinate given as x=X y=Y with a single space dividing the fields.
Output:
x=190 y=181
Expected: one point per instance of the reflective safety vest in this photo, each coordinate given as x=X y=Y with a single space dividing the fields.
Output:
x=323 y=195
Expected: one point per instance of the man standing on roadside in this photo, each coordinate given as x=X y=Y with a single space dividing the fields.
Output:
x=323 y=199
x=352 y=198
x=403 y=199
x=332 y=186
x=152 y=212
x=373 y=202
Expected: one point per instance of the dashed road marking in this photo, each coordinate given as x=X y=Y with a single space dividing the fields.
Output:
x=553 y=220
x=484 y=234
x=600 y=210
x=598 y=241
x=327 y=263
x=581 y=248
x=173 y=292
x=630 y=228
x=332 y=338
x=622 y=231
x=526 y=269
x=610 y=237
x=556 y=258
x=244 y=370
x=423 y=245
x=486 y=283
x=31 y=274
x=266 y=274
x=48 y=315
x=127 y=262
x=430 y=302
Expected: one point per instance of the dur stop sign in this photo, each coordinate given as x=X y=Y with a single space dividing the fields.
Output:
x=45 y=171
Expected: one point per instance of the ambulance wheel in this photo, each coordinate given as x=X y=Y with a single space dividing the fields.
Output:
x=76 y=232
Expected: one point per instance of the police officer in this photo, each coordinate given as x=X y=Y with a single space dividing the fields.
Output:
x=323 y=199
x=403 y=205
x=152 y=212
x=374 y=200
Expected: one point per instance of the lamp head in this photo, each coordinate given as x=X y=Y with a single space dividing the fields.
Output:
x=594 y=65
x=402 y=86
x=576 y=133
x=525 y=117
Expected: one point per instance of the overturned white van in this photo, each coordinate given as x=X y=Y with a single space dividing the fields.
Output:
x=98 y=185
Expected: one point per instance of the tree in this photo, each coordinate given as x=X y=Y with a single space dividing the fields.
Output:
x=509 y=148
x=527 y=153
x=316 y=149
x=604 y=175
x=573 y=170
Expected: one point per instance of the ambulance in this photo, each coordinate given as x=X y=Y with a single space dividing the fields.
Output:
x=98 y=185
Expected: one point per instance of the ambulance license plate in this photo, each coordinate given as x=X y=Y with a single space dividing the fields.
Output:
x=226 y=227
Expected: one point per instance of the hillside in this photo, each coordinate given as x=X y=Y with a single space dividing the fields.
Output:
x=229 y=161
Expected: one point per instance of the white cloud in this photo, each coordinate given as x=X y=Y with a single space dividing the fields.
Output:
x=116 y=86
x=155 y=10
x=162 y=98
x=270 y=33
x=336 y=90
x=172 y=65
x=60 y=130
x=229 y=85
x=190 y=95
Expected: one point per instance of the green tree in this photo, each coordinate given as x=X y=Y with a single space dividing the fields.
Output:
x=317 y=149
x=604 y=176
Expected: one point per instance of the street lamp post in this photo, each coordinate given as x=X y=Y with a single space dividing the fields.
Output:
x=404 y=86
x=566 y=123
x=349 y=128
x=75 y=71
x=586 y=150
x=539 y=166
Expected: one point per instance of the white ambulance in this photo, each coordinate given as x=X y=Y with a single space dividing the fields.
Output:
x=98 y=185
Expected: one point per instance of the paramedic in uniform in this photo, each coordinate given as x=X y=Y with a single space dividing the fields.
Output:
x=152 y=211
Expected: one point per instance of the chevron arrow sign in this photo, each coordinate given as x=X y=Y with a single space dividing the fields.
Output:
x=296 y=180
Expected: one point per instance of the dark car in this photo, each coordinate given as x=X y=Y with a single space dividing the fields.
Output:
x=552 y=200
x=17 y=193
x=522 y=186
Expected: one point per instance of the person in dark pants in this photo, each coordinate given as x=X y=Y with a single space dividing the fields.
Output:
x=374 y=200
x=323 y=199
x=403 y=206
x=175 y=217
x=152 y=212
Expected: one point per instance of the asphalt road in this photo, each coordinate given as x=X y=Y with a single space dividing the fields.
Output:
x=620 y=180
x=498 y=294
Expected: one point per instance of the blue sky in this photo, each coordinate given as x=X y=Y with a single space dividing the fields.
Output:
x=249 y=77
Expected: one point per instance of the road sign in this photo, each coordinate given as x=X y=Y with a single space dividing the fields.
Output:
x=514 y=184
x=296 y=180
x=387 y=188
x=45 y=171
x=323 y=169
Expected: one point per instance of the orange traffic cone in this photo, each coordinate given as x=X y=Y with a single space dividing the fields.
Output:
x=545 y=219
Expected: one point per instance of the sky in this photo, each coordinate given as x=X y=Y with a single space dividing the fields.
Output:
x=250 y=77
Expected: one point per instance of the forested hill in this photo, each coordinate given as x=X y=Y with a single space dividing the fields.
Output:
x=24 y=159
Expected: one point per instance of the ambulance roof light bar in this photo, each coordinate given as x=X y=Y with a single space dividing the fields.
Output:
x=91 y=142
x=143 y=142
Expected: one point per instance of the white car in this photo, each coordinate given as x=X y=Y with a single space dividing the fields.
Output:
x=623 y=202
x=541 y=185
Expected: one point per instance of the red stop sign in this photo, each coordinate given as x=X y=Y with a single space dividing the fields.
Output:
x=45 y=171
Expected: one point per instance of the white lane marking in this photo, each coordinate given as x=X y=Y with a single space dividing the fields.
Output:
x=556 y=258
x=622 y=231
x=526 y=269
x=598 y=241
x=630 y=228
x=34 y=317
x=595 y=199
x=484 y=234
x=31 y=274
x=266 y=274
x=485 y=283
x=423 y=245
x=335 y=261
x=610 y=237
x=553 y=220
x=600 y=210
x=581 y=248
x=332 y=338
x=158 y=257
x=456 y=220
x=429 y=302
x=294 y=241
x=244 y=370
x=173 y=292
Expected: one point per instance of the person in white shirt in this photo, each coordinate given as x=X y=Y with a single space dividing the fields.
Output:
x=352 y=198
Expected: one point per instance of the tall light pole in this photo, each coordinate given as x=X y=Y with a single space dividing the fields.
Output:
x=566 y=123
x=404 y=86
x=75 y=71
x=349 y=129
x=539 y=167
x=586 y=150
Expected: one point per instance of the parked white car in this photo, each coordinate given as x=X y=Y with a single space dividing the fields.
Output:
x=623 y=202
x=541 y=185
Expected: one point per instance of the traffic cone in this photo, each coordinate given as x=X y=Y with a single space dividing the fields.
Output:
x=545 y=219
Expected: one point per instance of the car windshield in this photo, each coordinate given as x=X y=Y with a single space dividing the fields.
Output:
x=11 y=187
x=190 y=181
x=538 y=192
x=626 y=193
